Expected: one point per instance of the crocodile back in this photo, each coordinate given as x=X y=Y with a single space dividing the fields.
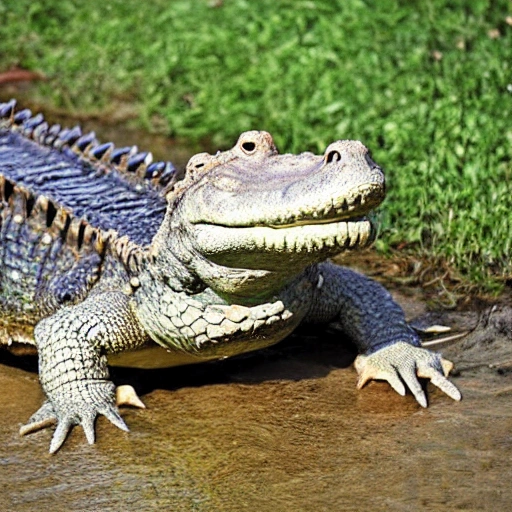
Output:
x=47 y=259
x=64 y=198
x=110 y=188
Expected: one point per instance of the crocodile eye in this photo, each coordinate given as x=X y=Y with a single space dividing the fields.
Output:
x=257 y=143
x=333 y=156
x=248 y=147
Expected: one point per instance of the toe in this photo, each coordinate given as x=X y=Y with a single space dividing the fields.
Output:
x=60 y=434
x=126 y=395
x=112 y=414
x=88 y=426
x=446 y=387
x=394 y=381
x=42 y=418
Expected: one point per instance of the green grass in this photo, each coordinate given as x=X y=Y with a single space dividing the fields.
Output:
x=424 y=84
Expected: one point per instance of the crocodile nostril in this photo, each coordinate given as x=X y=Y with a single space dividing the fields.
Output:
x=248 y=146
x=333 y=156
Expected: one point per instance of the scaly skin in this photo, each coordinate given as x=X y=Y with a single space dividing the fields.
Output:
x=236 y=263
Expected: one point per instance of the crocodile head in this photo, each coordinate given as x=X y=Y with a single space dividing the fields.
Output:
x=259 y=212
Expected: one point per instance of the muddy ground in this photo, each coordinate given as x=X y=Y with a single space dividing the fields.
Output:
x=281 y=430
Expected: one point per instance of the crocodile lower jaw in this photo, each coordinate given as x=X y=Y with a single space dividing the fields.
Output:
x=332 y=237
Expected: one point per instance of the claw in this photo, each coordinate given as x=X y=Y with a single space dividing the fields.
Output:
x=60 y=434
x=441 y=382
x=42 y=418
x=126 y=395
x=367 y=373
x=88 y=426
x=410 y=378
x=114 y=417
x=447 y=366
x=76 y=405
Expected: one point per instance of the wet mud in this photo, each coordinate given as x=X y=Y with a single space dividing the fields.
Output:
x=280 y=430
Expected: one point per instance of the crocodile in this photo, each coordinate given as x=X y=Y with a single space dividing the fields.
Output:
x=104 y=251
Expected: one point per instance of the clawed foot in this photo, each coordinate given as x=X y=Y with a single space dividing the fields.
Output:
x=403 y=363
x=78 y=403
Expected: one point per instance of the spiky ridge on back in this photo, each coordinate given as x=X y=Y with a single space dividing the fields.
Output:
x=107 y=188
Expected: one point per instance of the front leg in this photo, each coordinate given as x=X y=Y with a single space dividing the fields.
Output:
x=389 y=349
x=73 y=345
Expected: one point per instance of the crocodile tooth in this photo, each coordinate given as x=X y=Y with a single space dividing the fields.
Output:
x=329 y=241
x=343 y=231
x=353 y=230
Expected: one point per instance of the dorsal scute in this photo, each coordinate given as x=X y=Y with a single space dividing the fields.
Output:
x=129 y=253
x=135 y=166
x=56 y=222
x=119 y=189
x=53 y=221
